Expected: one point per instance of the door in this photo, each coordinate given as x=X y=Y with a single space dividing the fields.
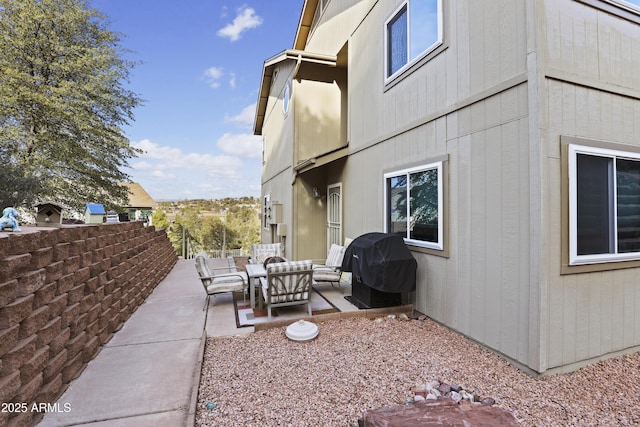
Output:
x=334 y=214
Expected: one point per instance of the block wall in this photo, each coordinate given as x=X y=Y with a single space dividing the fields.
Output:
x=63 y=293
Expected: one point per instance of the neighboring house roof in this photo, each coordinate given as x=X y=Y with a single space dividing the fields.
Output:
x=138 y=196
x=95 y=209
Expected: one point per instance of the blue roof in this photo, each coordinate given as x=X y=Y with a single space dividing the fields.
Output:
x=95 y=209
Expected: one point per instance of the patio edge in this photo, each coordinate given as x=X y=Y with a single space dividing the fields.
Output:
x=370 y=313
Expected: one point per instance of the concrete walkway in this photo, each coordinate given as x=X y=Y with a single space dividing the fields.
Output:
x=148 y=373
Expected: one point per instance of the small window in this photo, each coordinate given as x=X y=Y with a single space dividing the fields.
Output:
x=414 y=199
x=604 y=205
x=286 y=98
x=414 y=30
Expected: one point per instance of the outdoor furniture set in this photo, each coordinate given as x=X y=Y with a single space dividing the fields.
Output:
x=280 y=283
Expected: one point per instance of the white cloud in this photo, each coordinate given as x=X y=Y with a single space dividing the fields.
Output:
x=142 y=166
x=167 y=158
x=213 y=76
x=245 y=117
x=169 y=173
x=232 y=81
x=243 y=145
x=245 y=19
x=162 y=174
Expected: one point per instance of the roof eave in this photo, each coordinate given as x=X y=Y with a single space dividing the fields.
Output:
x=267 y=74
x=304 y=25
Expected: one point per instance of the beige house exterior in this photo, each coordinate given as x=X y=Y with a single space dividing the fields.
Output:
x=505 y=149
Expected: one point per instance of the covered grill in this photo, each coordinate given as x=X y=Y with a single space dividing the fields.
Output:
x=382 y=268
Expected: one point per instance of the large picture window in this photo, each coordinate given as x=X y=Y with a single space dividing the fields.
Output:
x=414 y=30
x=414 y=199
x=604 y=205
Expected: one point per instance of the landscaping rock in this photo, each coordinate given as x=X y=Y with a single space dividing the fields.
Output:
x=443 y=412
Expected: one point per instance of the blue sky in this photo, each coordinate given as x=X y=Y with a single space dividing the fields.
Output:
x=200 y=74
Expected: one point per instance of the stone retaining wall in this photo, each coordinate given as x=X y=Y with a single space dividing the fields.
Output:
x=63 y=293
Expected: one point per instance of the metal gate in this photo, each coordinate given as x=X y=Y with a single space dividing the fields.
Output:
x=334 y=214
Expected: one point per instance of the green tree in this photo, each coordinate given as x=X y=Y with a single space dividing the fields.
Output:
x=63 y=101
x=159 y=219
x=18 y=187
x=216 y=234
x=245 y=223
x=187 y=225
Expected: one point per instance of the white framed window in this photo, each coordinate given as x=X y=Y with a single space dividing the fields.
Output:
x=412 y=32
x=414 y=205
x=633 y=5
x=322 y=5
x=604 y=205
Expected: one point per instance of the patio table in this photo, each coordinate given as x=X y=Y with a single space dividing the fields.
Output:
x=255 y=272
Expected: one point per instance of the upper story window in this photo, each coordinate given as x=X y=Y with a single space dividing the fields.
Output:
x=414 y=205
x=604 y=205
x=286 y=98
x=633 y=5
x=412 y=32
x=322 y=5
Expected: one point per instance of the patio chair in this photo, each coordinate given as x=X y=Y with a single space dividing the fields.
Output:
x=331 y=270
x=287 y=283
x=262 y=251
x=218 y=280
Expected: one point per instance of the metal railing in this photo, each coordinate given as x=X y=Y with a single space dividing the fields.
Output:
x=215 y=253
x=219 y=253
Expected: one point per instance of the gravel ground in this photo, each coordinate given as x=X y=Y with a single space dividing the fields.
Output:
x=264 y=379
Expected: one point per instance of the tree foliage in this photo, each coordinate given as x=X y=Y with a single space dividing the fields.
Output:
x=18 y=187
x=211 y=224
x=159 y=219
x=63 y=102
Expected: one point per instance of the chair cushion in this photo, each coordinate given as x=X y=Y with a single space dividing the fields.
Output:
x=325 y=274
x=289 y=266
x=202 y=265
x=220 y=288
x=226 y=283
x=262 y=251
x=240 y=276
x=334 y=258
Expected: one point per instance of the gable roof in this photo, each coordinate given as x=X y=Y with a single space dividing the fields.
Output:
x=95 y=209
x=297 y=54
x=138 y=196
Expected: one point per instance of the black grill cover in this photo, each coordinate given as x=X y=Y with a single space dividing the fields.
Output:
x=382 y=261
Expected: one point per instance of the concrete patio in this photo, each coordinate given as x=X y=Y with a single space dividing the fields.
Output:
x=148 y=373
